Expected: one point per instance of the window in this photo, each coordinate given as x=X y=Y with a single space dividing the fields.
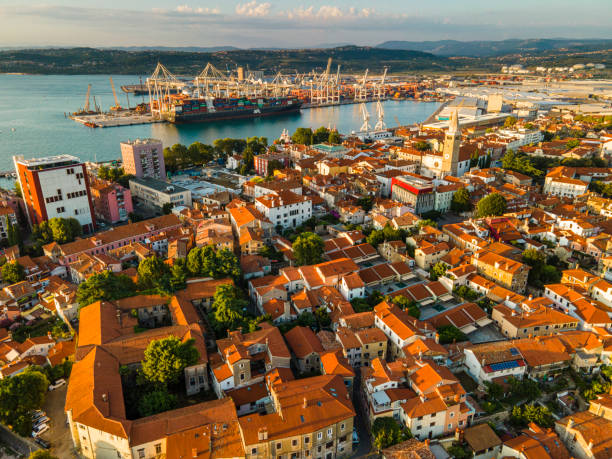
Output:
x=432 y=424
x=319 y=435
x=418 y=427
x=342 y=426
x=307 y=440
x=279 y=445
x=450 y=426
x=254 y=451
x=141 y=453
x=329 y=432
x=294 y=442
x=158 y=448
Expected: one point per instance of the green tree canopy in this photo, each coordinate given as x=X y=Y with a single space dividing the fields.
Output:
x=461 y=201
x=60 y=230
x=154 y=273
x=13 y=272
x=409 y=305
x=302 y=136
x=13 y=235
x=509 y=121
x=156 y=401
x=208 y=262
x=165 y=359
x=19 y=396
x=308 y=249
x=104 y=286
x=450 y=334
x=320 y=135
x=227 y=308
x=421 y=145
x=491 y=205
x=523 y=415
x=387 y=432
x=334 y=137
x=438 y=270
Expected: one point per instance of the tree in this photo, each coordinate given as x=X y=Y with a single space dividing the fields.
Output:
x=572 y=143
x=13 y=272
x=167 y=208
x=302 y=136
x=208 y=262
x=320 y=135
x=450 y=334
x=421 y=145
x=227 y=308
x=21 y=394
x=308 y=249
x=105 y=286
x=494 y=390
x=176 y=157
x=334 y=137
x=438 y=270
x=165 y=359
x=491 y=205
x=541 y=272
x=366 y=203
x=510 y=121
x=523 y=415
x=409 y=305
x=427 y=222
x=42 y=454
x=154 y=273
x=461 y=201
x=387 y=432
x=14 y=235
x=60 y=230
x=323 y=318
x=157 y=401
x=274 y=165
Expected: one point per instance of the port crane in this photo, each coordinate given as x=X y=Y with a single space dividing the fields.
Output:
x=117 y=107
x=86 y=107
x=365 y=127
x=380 y=113
x=324 y=88
x=361 y=91
x=379 y=90
x=161 y=84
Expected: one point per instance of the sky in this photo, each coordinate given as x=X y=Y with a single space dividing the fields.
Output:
x=293 y=23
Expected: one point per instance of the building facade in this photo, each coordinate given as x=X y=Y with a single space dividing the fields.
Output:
x=112 y=202
x=56 y=186
x=143 y=158
x=154 y=193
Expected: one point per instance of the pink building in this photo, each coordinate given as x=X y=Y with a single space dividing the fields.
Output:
x=144 y=158
x=112 y=202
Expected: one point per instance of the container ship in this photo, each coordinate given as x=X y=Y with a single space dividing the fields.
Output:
x=182 y=109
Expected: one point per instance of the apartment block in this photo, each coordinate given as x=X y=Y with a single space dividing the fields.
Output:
x=143 y=158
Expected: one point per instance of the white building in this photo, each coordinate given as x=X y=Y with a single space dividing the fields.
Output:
x=55 y=186
x=486 y=362
x=285 y=208
x=155 y=193
x=566 y=187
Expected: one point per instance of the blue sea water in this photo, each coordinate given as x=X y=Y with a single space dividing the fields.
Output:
x=33 y=122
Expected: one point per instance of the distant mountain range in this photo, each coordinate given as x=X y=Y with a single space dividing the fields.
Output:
x=398 y=56
x=496 y=48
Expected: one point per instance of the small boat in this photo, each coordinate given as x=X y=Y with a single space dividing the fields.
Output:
x=90 y=124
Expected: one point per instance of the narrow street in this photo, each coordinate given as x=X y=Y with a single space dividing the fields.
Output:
x=361 y=424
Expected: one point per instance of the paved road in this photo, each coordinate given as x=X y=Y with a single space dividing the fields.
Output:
x=365 y=445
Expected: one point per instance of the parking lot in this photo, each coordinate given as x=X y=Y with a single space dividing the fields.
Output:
x=58 y=434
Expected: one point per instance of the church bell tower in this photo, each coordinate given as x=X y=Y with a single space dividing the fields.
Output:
x=450 y=152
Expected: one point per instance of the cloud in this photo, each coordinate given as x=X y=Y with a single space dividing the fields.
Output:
x=189 y=9
x=253 y=9
x=328 y=13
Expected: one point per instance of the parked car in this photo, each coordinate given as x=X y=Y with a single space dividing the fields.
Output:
x=41 y=429
x=58 y=383
x=44 y=443
x=39 y=421
x=37 y=415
